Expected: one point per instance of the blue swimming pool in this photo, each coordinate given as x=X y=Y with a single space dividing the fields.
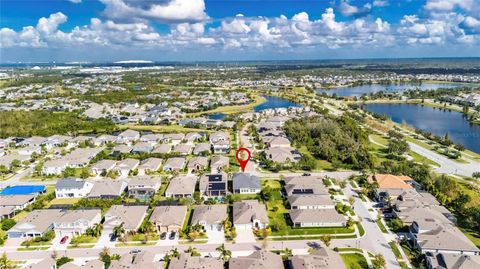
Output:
x=23 y=189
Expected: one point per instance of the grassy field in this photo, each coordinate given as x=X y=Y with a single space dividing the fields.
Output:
x=354 y=261
x=258 y=100
x=63 y=201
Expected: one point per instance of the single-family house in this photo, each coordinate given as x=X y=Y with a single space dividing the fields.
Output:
x=210 y=217
x=316 y=218
x=142 y=187
x=124 y=167
x=76 y=222
x=322 y=258
x=249 y=214
x=186 y=261
x=245 y=183
x=183 y=186
x=130 y=217
x=443 y=260
x=137 y=260
x=128 y=136
x=311 y=202
x=36 y=223
x=219 y=164
x=174 y=164
x=72 y=188
x=213 y=185
x=107 y=189
x=162 y=149
x=149 y=165
x=183 y=149
x=259 y=259
x=388 y=187
x=220 y=142
x=168 y=218
x=197 y=163
x=142 y=147
x=202 y=149
x=102 y=167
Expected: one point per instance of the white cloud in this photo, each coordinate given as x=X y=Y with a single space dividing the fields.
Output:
x=75 y=1
x=449 y=5
x=350 y=10
x=171 y=11
x=380 y=3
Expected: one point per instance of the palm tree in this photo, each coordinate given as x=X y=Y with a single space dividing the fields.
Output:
x=193 y=251
x=54 y=255
x=326 y=239
x=379 y=261
x=5 y=262
x=105 y=252
x=225 y=254
x=118 y=231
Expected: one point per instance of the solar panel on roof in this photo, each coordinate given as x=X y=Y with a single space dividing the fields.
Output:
x=217 y=186
x=302 y=191
x=214 y=178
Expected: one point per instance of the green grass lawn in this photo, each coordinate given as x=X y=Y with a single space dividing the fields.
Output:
x=257 y=100
x=276 y=213
x=395 y=250
x=361 y=231
x=63 y=201
x=319 y=164
x=381 y=226
x=354 y=261
x=141 y=237
x=83 y=239
x=140 y=244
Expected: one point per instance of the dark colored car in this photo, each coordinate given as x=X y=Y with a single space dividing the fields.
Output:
x=113 y=238
x=163 y=236
x=63 y=240
x=172 y=236
x=306 y=174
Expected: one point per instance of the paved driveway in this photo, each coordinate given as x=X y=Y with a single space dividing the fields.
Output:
x=245 y=236
x=215 y=237
x=104 y=240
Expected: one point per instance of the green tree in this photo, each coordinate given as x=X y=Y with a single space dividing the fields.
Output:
x=118 y=230
x=225 y=254
x=63 y=260
x=326 y=239
x=5 y=263
x=379 y=261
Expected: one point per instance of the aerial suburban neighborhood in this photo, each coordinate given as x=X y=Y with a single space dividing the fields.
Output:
x=340 y=134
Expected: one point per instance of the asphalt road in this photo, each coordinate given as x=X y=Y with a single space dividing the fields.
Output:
x=447 y=165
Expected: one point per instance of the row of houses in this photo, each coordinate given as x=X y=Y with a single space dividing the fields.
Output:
x=259 y=259
x=310 y=203
x=276 y=144
x=432 y=227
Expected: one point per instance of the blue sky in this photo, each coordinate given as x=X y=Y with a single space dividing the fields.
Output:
x=190 y=30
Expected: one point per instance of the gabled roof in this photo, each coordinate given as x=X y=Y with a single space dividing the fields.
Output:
x=130 y=216
x=70 y=183
x=245 y=181
x=320 y=259
x=246 y=211
x=169 y=215
x=107 y=188
x=182 y=185
x=387 y=181
x=211 y=214
x=260 y=259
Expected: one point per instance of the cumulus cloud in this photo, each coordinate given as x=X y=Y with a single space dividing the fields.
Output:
x=380 y=3
x=449 y=5
x=75 y=1
x=169 y=11
x=241 y=33
x=350 y=10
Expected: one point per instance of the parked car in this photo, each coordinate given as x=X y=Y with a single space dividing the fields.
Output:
x=63 y=240
x=135 y=251
x=306 y=174
x=163 y=236
x=113 y=238
x=172 y=236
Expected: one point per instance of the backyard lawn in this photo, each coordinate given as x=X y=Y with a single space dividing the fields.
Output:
x=354 y=260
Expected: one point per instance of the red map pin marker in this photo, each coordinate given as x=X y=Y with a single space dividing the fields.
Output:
x=243 y=163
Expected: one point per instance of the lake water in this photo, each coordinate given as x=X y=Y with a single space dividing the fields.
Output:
x=373 y=88
x=217 y=116
x=434 y=120
x=272 y=102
